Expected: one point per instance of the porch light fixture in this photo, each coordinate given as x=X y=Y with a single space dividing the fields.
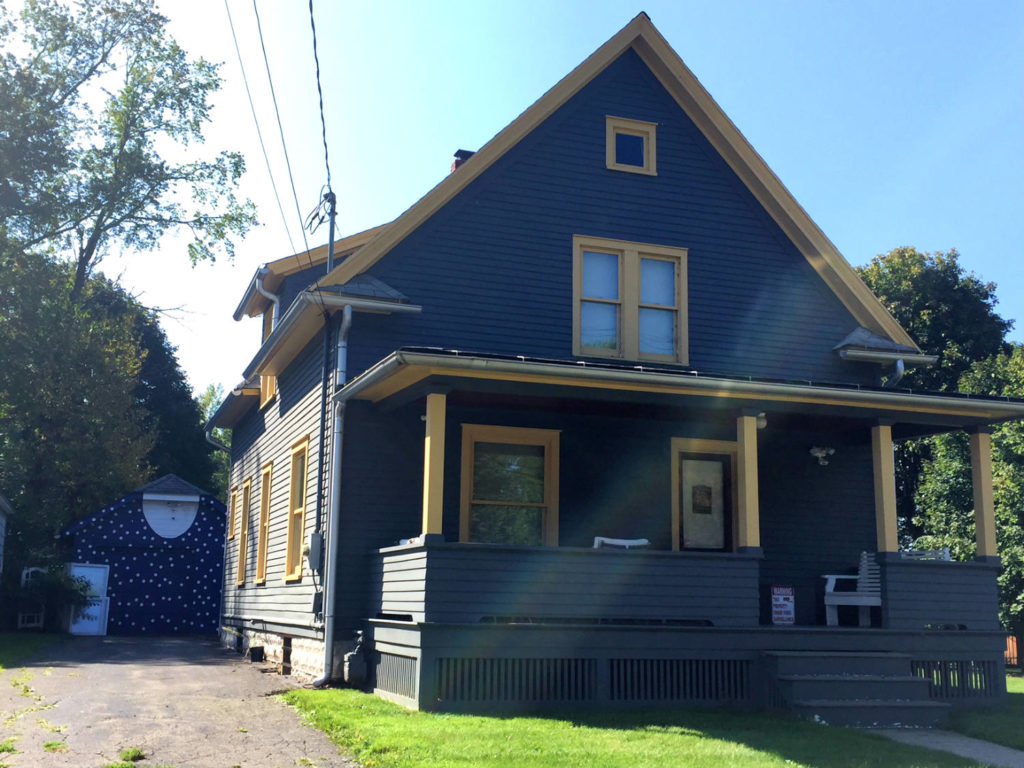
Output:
x=762 y=420
x=821 y=453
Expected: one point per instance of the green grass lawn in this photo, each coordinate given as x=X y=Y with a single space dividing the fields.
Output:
x=17 y=645
x=384 y=735
x=1004 y=725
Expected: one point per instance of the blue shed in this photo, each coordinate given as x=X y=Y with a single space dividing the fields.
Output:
x=164 y=545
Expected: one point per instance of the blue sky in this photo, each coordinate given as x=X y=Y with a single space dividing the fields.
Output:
x=892 y=123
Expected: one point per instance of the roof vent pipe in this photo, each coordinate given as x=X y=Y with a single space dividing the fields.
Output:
x=261 y=273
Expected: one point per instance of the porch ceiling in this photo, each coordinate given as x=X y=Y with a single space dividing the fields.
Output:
x=407 y=375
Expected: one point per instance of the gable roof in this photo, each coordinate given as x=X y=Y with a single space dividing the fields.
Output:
x=171 y=485
x=641 y=36
x=168 y=485
x=254 y=303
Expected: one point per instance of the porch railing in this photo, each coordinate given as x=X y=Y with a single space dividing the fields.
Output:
x=474 y=583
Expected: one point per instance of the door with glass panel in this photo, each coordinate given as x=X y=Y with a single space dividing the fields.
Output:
x=509 y=485
x=704 y=486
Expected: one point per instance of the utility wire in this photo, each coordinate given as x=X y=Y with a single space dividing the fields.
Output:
x=259 y=133
x=284 y=146
x=319 y=90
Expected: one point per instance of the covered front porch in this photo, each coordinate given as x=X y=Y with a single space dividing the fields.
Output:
x=717 y=475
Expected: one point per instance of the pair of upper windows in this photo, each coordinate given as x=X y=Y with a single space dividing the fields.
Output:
x=629 y=300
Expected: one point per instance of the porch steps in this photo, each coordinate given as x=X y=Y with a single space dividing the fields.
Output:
x=853 y=689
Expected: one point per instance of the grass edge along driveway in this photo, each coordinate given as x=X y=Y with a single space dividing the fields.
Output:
x=383 y=735
x=1001 y=725
x=15 y=646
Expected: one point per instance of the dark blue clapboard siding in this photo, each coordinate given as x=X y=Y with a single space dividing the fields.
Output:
x=493 y=268
x=381 y=497
x=920 y=594
x=480 y=582
x=814 y=519
x=266 y=435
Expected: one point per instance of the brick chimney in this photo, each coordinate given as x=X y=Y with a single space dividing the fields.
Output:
x=461 y=156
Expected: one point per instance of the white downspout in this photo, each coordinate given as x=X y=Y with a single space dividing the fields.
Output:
x=334 y=500
x=274 y=298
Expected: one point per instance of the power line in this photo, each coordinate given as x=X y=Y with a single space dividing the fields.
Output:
x=259 y=133
x=284 y=146
x=319 y=90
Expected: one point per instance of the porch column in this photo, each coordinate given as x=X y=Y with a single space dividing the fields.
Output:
x=885 y=488
x=984 y=507
x=433 y=463
x=748 y=518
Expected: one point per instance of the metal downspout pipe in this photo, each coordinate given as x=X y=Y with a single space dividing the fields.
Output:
x=334 y=500
x=274 y=298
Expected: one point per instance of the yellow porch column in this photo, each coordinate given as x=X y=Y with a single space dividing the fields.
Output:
x=748 y=518
x=433 y=463
x=984 y=507
x=885 y=488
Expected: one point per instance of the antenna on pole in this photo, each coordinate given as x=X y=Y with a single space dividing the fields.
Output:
x=332 y=210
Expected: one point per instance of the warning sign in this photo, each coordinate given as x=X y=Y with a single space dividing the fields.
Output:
x=783 y=606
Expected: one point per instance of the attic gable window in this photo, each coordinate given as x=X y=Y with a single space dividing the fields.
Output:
x=629 y=300
x=630 y=145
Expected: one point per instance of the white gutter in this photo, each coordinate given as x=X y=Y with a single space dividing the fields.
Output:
x=334 y=500
x=312 y=300
x=880 y=356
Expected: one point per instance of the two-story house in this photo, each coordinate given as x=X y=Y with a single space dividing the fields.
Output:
x=610 y=322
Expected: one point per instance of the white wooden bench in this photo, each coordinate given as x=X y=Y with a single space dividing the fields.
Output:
x=926 y=554
x=866 y=593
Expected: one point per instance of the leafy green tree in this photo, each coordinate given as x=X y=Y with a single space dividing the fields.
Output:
x=73 y=433
x=98 y=103
x=949 y=312
x=945 y=495
x=209 y=400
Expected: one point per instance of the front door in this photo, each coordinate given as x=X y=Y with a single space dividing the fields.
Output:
x=705 y=500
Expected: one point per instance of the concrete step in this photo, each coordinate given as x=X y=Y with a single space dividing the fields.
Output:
x=838 y=663
x=845 y=687
x=873 y=713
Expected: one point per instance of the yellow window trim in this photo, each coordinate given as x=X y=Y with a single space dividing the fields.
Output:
x=647 y=131
x=243 y=533
x=630 y=255
x=268 y=384
x=232 y=513
x=263 y=534
x=487 y=433
x=296 y=522
x=697 y=445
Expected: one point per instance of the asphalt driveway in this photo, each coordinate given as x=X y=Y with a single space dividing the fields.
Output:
x=183 y=702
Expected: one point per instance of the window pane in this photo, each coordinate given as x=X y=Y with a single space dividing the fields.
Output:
x=629 y=149
x=599 y=325
x=299 y=479
x=658 y=282
x=657 y=332
x=520 y=526
x=600 y=275
x=508 y=472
